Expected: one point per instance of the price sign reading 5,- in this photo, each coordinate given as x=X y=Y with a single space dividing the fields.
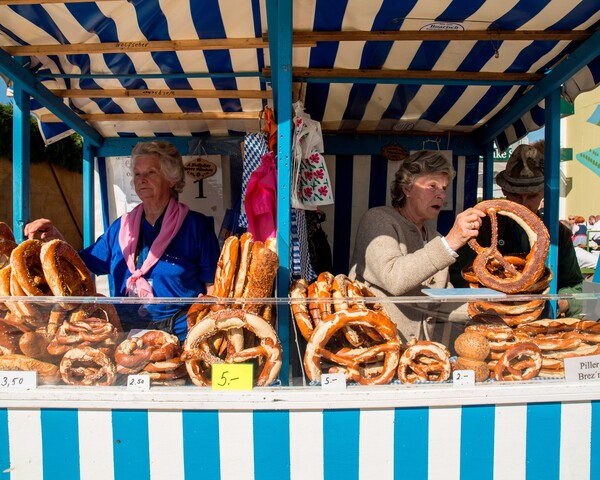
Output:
x=237 y=376
x=15 y=380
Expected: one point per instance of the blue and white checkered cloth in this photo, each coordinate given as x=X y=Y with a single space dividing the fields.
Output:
x=255 y=146
x=300 y=257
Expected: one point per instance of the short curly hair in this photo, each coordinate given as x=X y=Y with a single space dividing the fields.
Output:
x=171 y=163
x=419 y=163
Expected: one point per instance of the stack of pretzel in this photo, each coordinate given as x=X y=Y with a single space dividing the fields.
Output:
x=537 y=348
x=511 y=274
x=39 y=336
x=246 y=270
x=154 y=353
x=345 y=332
x=237 y=327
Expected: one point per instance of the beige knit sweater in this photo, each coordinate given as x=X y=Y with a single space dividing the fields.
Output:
x=389 y=256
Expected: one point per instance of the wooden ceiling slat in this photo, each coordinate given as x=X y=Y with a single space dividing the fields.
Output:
x=409 y=74
x=161 y=93
x=127 y=117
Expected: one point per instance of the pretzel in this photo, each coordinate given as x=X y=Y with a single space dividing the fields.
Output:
x=354 y=362
x=539 y=241
x=6 y=248
x=27 y=268
x=261 y=275
x=106 y=311
x=473 y=309
x=521 y=362
x=226 y=267
x=491 y=327
x=241 y=276
x=153 y=346
x=87 y=366
x=298 y=292
x=98 y=333
x=546 y=326
x=198 y=356
x=47 y=373
x=9 y=338
x=65 y=272
x=508 y=308
x=424 y=361
x=24 y=312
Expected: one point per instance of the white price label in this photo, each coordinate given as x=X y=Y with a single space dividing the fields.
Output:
x=582 y=369
x=138 y=382
x=334 y=382
x=18 y=380
x=463 y=378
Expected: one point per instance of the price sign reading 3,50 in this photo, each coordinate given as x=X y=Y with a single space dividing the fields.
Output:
x=237 y=376
x=18 y=380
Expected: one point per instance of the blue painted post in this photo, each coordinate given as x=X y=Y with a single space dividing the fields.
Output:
x=282 y=72
x=89 y=153
x=21 y=161
x=488 y=172
x=552 y=182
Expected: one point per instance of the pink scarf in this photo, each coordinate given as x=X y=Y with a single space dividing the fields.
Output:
x=131 y=222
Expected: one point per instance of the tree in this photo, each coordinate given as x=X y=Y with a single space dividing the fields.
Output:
x=66 y=153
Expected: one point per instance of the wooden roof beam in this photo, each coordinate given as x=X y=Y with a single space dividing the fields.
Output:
x=132 y=117
x=161 y=93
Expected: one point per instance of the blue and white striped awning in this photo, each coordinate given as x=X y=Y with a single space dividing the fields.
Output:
x=158 y=66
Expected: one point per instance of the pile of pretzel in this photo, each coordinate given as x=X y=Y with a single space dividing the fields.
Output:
x=347 y=333
x=537 y=348
x=234 y=328
x=511 y=274
x=246 y=270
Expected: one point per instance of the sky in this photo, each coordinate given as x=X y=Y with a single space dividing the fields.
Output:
x=3 y=97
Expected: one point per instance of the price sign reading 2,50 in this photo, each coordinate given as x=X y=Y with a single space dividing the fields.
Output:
x=226 y=376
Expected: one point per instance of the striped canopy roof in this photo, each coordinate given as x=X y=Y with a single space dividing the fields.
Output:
x=143 y=68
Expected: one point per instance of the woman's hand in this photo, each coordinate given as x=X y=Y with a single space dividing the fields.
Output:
x=466 y=226
x=44 y=229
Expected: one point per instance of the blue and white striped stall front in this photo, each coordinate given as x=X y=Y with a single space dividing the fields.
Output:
x=538 y=430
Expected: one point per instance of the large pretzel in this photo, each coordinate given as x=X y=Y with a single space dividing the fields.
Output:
x=134 y=354
x=539 y=241
x=87 y=366
x=521 y=362
x=199 y=354
x=355 y=363
x=27 y=268
x=65 y=272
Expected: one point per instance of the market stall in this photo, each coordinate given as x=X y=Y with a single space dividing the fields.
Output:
x=378 y=78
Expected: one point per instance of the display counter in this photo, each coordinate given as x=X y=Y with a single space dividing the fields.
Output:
x=540 y=428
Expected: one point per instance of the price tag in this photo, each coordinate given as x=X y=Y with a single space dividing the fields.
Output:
x=582 y=369
x=138 y=382
x=18 y=380
x=232 y=376
x=334 y=382
x=463 y=378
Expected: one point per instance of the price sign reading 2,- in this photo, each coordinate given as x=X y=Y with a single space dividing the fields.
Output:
x=237 y=376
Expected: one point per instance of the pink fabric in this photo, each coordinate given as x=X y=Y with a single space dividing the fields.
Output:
x=131 y=222
x=261 y=199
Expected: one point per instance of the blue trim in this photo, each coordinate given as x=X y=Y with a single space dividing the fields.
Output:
x=20 y=76
x=411 y=443
x=411 y=81
x=131 y=446
x=4 y=445
x=341 y=430
x=272 y=428
x=88 y=194
x=60 y=443
x=543 y=441
x=103 y=191
x=201 y=450
x=570 y=65
x=342 y=222
x=477 y=429
x=21 y=161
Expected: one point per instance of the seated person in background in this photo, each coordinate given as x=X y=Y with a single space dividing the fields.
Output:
x=580 y=232
x=398 y=250
x=523 y=182
x=159 y=249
